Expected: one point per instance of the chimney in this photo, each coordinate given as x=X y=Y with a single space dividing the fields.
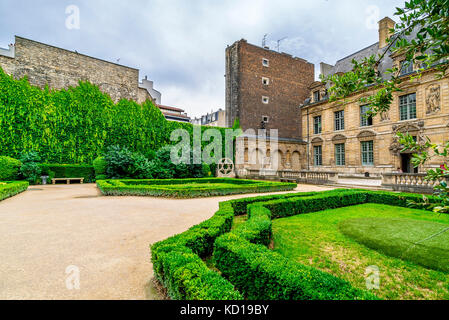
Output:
x=384 y=31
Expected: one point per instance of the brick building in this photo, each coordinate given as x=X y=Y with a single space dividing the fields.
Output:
x=263 y=85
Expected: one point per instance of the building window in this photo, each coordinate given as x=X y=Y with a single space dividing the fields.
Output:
x=316 y=96
x=407 y=106
x=265 y=119
x=340 y=120
x=317 y=156
x=265 y=62
x=406 y=67
x=340 y=154
x=365 y=119
x=367 y=153
x=265 y=81
x=265 y=100
x=317 y=125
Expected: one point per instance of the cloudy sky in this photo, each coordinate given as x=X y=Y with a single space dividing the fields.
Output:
x=181 y=44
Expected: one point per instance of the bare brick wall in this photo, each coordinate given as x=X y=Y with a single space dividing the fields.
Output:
x=59 y=68
x=289 y=79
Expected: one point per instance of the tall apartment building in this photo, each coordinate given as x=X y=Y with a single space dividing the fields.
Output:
x=263 y=85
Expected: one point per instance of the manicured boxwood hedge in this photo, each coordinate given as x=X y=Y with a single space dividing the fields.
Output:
x=189 y=188
x=9 y=168
x=242 y=256
x=9 y=189
x=69 y=171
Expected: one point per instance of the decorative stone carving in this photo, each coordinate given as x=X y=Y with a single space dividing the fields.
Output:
x=366 y=134
x=433 y=101
x=384 y=116
x=317 y=140
x=339 y=138
x=225 y=168
x=412 y=128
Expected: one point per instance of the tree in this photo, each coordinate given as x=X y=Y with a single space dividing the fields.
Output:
x=429 y=20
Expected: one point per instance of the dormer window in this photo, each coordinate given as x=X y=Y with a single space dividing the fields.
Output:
x=316 y=96
x=265 y=62
x=406 y=67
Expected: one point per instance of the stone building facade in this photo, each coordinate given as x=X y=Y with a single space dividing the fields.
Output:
x=60 y=68
x=341 y=138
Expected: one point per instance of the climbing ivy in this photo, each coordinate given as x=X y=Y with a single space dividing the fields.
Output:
x=78 y=124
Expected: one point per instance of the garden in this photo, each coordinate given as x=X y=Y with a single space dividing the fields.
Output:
x=309 y=246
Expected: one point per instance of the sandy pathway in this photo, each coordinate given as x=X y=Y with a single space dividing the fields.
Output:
x=48 y=228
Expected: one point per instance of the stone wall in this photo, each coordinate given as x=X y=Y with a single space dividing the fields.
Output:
x=288 y=79
x=60 y=68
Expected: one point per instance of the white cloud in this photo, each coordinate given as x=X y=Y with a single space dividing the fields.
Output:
x=181 y=44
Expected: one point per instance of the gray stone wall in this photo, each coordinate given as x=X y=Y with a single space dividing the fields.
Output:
x=60 y=68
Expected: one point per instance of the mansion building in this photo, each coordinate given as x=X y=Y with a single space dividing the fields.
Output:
x=334 y=137
x=342 y=138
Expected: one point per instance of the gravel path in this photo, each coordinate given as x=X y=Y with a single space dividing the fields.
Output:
x=49 y=228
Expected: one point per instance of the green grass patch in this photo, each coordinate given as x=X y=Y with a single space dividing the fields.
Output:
x=423 y=242
x=189 y=188
x=315 y=239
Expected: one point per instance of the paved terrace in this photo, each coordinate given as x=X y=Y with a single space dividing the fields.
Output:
x=48 y=228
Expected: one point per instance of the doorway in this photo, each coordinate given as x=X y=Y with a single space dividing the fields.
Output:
x=406 y=163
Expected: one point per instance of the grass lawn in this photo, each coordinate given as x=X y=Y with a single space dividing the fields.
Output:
x=336 y=241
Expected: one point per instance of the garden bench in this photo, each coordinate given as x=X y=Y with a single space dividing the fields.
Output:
x=67 y=179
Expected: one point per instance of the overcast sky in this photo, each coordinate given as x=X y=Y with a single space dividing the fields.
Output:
x=181 y=44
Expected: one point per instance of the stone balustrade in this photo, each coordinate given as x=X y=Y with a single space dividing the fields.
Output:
x=408 y=182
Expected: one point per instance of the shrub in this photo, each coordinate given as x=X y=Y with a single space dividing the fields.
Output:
x=9 y=189
x=100 y=166
x=30 y=168
x=9 y=168
x=243 y=258
x=188 y=188
x=119 y=161
x=69 y=171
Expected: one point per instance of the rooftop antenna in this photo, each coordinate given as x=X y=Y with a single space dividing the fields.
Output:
x=279 y=42
x=264 y=40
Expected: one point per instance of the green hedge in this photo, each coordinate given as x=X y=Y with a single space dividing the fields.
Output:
x=260 y=274
x=69 y=171
x=9 y=189
x=242 y=256
x=9 y=168
x=78 y=124
x=189 y=188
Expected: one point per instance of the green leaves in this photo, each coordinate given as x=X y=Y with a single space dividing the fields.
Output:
x=78 y=124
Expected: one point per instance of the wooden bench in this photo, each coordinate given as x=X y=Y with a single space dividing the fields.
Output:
x=53 y=181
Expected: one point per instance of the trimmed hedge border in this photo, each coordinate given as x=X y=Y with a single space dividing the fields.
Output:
x=10 y=189
x=70 y=171
x=194 y=188
x=242 y=256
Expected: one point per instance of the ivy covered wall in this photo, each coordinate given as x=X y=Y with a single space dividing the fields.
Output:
x=76 y=125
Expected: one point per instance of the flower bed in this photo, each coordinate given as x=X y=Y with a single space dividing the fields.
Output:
x=248 y=268
x=9 y=189
x=189 y=188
